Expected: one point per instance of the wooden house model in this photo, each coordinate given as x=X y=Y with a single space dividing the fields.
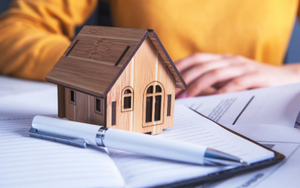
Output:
x=119 y=78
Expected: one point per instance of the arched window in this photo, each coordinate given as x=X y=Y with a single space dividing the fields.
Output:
x=127 y=99
x=153 y=105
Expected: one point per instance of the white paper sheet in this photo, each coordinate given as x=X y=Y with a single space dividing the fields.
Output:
x=274 y=176
x=287 y=175
x=272 y=106
x=31 y=162
x=140 y=171
x=14 y=86
x=20 y=100
x=270 y=118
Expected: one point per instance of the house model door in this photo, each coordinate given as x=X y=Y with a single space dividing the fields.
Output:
x=153 y=104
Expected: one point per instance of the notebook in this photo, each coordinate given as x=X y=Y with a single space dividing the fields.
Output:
x=31 y=162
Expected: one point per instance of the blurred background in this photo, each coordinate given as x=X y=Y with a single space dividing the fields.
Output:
x=101 y=16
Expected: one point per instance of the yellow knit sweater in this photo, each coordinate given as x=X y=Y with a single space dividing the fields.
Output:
x=34 y=34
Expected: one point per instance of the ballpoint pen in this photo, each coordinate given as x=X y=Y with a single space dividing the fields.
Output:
x=80 y=134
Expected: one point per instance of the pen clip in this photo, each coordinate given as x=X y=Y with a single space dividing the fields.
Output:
x=56 y=138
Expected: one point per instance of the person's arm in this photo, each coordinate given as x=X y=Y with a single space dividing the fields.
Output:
x=207 y=74
x=35 y=33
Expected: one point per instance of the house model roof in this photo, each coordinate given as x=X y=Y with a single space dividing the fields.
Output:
x=98 y=55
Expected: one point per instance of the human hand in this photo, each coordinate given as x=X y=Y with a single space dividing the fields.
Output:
x=206 y=74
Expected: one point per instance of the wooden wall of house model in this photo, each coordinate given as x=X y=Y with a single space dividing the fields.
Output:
x=119 y=78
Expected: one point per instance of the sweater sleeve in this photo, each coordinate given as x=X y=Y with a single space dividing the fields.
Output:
x=34 y=34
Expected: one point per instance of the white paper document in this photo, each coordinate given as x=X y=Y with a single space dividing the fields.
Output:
x=274 y=176
x=189 y=127
x=20 y=98
x=40 y=163
x=266 y=115
x=31 y=162
x=253 y=108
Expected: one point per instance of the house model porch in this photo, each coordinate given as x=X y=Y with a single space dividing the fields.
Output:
x=118 y=78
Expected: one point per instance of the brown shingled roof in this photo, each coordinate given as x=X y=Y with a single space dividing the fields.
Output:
x=98 y=55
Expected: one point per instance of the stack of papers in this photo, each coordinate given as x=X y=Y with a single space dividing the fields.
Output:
x=28 y=162
x=42 y=163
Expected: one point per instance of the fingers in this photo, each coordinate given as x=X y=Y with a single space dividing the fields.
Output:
x=215 y=76
x=188 y=63
x=207 y=91
x=179 y=93
x=207 y=74
x=221 y=84
x=248 y=81
x=197 y=70
x=195 y=59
